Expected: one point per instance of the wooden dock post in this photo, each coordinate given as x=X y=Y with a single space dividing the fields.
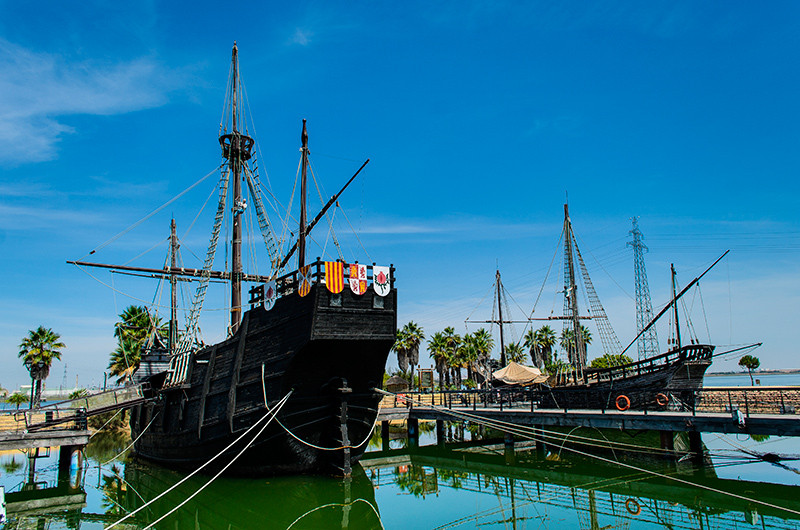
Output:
x=385 y=435
x=538 y=435
x=510 y=454
x=696 y=447
x=667 y=440
x=413 y=432
x=440 y=439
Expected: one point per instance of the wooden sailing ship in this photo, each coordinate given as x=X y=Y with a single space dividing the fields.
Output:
x=660 y=381
x=305 y=332
x=668 y=379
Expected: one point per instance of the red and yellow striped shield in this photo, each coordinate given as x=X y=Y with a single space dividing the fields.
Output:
x=305 y=281
x=334 y=276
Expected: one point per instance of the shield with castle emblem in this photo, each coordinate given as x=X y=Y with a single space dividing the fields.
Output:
x=358 y=279
x=304 y=280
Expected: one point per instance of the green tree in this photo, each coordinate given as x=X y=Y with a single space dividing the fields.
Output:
x=411 y=336
x=453 y=341
x=567 y=342
x=17 y=399
x=38 y=351
x=399 y=348
x=540 y=344
x=608 y=360
x=483 y=342
x=136 y=330
x=515 y=352
x=468 y=354
x=751 y=363
x=437 y=348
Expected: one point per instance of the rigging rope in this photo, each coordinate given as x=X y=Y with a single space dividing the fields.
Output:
x=151 y=214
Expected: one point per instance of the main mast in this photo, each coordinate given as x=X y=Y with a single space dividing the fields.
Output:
x=499 y=288
x=578 y=359
x=236 y=149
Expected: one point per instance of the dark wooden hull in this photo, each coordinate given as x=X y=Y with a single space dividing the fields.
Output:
x=328 y=355
x=675 y=376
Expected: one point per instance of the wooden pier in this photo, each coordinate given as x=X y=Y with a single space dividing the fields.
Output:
x=748 y=410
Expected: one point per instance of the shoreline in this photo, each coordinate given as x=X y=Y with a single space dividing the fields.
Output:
x=787 y=371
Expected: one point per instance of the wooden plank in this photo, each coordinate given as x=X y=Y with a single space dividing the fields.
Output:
x=237 y=366
x=206 y=385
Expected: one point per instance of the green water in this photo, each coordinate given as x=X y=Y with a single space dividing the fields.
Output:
x=467 y=484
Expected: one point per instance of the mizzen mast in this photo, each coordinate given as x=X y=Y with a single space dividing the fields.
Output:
x=236 y=148
x=301 y=240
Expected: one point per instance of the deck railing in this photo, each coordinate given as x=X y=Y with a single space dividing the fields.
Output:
x=287 y=284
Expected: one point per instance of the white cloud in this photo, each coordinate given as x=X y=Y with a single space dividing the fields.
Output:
x=302 y=37
x=38 y=88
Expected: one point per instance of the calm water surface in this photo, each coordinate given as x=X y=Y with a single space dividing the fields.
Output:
x=465 y=485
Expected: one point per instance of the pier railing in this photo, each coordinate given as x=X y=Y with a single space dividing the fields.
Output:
x=747 y=400
x=72 y=413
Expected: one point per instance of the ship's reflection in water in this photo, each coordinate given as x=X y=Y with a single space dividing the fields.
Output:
x=460 y=485
x=278 y=502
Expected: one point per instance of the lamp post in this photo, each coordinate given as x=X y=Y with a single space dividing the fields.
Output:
x=34 y=368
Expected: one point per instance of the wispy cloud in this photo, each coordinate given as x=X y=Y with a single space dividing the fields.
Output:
x=40 y=88
x=302 y=37
x=27 y=218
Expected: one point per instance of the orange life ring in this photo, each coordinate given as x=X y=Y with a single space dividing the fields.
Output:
x=401 y=398
x=633 y=506
x=622 y=402
x=662 y=399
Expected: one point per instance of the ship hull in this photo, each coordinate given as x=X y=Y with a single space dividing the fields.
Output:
x=327 y=352
x=669 y=381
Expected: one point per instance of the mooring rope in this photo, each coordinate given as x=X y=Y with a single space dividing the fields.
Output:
x=511 y=428
x=305 y=442
x=193 y=473
x=106 y=423
x=136 y=440
x=229 y=464
x=553 y=435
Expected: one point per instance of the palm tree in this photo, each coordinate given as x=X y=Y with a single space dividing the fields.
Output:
x=38 y=351
x=135 y=328
x=468 y=353
x=453 y=341
x=16 y=399
x=546 y=339
x=515 y=352
x=125 y=358
x=414 y=335
x=437 y=347
x=568 y=343
x=484 y=342
x=400 y=348
x=137 y=323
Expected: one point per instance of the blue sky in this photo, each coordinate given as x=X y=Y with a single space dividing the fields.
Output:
x=479 y=118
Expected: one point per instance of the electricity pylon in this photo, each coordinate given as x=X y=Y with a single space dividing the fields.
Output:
x=648 y=341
